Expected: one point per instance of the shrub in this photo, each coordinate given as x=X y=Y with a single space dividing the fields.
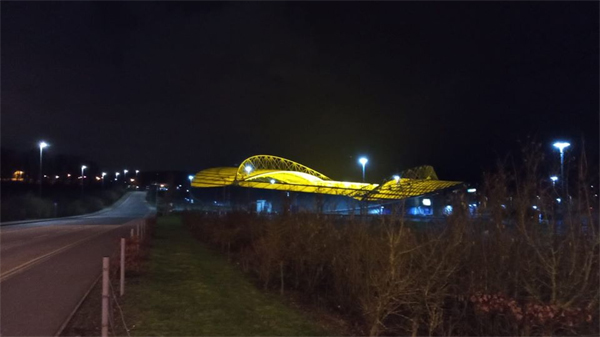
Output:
x=506 y=271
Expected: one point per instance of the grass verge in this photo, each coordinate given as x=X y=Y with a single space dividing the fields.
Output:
x=189 y=290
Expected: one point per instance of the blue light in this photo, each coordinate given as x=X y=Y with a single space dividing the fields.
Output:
x=396 y=178
x=554 y=178
x=448 y=210
x=561 y=145
x=248 y=169
x=363 y=160
x=471 y=190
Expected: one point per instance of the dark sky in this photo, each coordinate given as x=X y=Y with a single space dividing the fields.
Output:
x=190 y=85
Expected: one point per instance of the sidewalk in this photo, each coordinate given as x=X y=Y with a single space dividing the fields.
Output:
x=189 y=290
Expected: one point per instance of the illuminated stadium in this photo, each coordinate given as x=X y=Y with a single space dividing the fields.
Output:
x=271 y=184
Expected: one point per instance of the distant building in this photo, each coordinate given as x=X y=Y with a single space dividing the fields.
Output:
x=271 y=184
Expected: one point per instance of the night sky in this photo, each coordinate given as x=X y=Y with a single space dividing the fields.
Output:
x=190 y=85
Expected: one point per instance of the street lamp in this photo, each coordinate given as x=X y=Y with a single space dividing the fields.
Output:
x=397 y=178
x=83 y=167
x=103 y=175
x=554 y=179
x=125 y=176
x=363 y=161
x=42 y=146
x=561 y=146
x=248 y=169
x=117 y=176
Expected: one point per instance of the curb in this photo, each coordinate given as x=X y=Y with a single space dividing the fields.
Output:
x=70 y=317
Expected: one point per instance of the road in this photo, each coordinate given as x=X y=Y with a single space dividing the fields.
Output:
x=47 y=267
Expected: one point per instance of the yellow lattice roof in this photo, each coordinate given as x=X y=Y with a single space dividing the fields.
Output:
x=275 y=173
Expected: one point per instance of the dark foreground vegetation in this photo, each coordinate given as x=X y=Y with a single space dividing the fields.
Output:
x=177 y=287
x=510 y=270
x=21 y=201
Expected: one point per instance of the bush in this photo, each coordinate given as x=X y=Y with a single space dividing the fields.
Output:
x=503 y=272
x=27 y=206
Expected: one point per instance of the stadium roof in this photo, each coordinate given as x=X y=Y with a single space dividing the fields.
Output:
x=276 y=173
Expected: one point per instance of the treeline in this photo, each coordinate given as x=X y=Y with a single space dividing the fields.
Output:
x=57 y=201
x=514 y=269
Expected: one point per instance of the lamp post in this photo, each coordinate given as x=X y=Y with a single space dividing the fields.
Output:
x=561 y=146
x=42 y=146
x=117 y=176
x=103 y=175
x=83 y=167
x=190 y=178
x=554 y=179
x=125 y=176
x=363 y=161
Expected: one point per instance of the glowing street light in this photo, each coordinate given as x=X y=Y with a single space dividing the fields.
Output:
x=396 y=178
x=561 y=146
x=363 y=161
x=103 y=175
x=42 y=146
x=136 y=174
x=190 y=178
x=248 y=169
x=83 y=167
x=117 y=176
x=554 y=179
x=125 y=175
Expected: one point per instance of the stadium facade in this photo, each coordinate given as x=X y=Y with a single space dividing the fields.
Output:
x=271 y=184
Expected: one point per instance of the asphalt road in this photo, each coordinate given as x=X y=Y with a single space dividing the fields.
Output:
x=46 y=267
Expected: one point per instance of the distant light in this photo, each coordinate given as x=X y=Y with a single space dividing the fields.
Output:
x=132 y=180
x=448 y=209
x=554 y=178
x=45 y=176
x=248 y=169
x=103 y=174
x=191 y=177
x=561 y=145
x=125 y=171
x=272 y=181
x=117 y=174
x=137 y=171
x=43 y=144
x=426 y=202
x=68 y=175
x=98 y=178
x=558 y=200
x=396 y=178
x=56 y=177
x=534 y=207
x=363 y=160
x=83 y=167
x=471 y=190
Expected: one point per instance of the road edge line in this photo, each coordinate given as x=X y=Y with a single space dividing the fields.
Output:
x=10 y=273
x=70 y=317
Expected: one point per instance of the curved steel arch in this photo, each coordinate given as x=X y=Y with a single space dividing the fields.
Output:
x=268 y=162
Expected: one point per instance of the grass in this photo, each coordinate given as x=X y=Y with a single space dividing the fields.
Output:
x=189 y=290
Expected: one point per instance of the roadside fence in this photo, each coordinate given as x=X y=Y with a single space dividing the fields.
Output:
x=125 y=262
